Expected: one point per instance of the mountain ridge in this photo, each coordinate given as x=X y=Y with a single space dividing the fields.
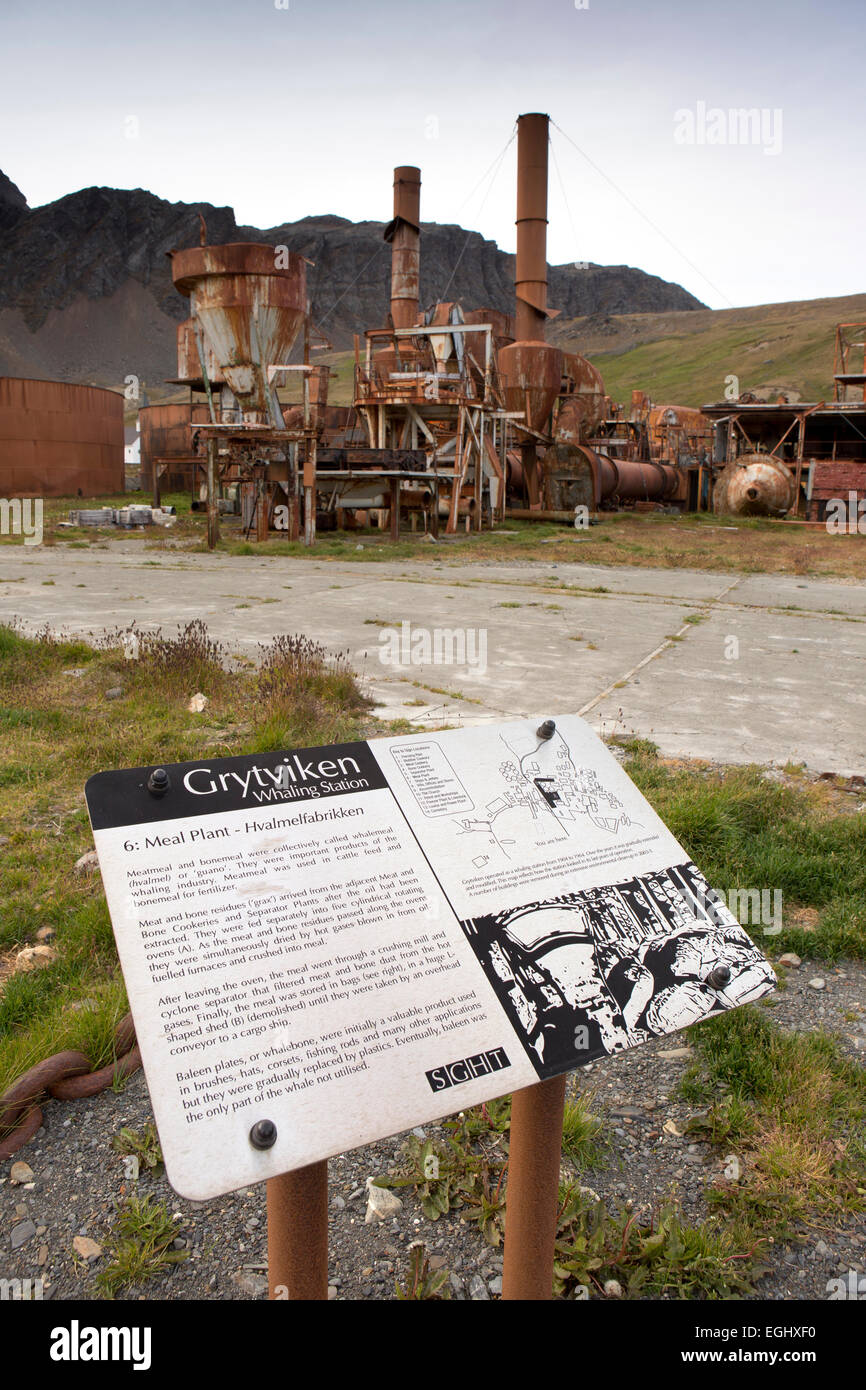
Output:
x=70 y=267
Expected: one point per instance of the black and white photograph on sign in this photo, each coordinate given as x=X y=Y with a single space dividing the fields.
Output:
x=585 y=975
x=432 y=650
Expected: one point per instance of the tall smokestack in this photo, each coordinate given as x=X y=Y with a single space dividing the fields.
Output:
x=404 y=234
x=530 y=368
x=530 y=275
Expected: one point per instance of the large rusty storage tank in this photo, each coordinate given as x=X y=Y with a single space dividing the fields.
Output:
x=166 y=432
x=59 y=440
x=754 y=485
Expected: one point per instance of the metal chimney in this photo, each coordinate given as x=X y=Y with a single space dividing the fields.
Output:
x=530 y=273
x=404 y=234
x=530 y=368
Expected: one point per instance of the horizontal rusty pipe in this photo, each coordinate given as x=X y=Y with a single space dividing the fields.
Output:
x=465 y=507
x=644 y=482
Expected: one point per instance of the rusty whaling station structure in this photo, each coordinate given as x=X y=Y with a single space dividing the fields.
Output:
x=458 y=416
x=462 y=417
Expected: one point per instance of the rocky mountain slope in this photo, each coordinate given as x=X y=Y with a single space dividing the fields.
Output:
x=86 y=293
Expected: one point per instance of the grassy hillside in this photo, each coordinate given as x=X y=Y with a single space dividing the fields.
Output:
x=684 y=358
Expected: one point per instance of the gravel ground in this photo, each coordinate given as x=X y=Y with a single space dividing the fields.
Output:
x=78 y=1180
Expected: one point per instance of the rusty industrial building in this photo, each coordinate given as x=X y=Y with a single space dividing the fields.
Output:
x=461 y=416
x=791 y=458
x=59 y=440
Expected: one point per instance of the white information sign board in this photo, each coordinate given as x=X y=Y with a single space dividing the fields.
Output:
x=353 y=940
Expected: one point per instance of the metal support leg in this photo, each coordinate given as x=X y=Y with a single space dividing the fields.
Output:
x=263 y=501
x=309 y=489
x=213 y=522
x=298 y=1234
x=532 y=1195
x=395 y=509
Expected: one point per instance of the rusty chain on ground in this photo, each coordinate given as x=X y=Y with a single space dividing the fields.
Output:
x=65 y=1076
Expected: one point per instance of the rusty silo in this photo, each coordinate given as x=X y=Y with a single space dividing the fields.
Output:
x=250 y=301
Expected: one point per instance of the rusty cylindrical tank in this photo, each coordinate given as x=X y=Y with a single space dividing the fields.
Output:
x=575 y=475
x=59 y=440
x=754 y=485
x=166 y=432
x=638 y=481
x=404 y=234
x=250 y=301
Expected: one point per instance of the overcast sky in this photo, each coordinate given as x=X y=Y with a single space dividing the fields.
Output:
x=281 y=112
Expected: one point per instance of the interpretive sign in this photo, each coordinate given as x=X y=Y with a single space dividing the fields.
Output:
x=348 y=941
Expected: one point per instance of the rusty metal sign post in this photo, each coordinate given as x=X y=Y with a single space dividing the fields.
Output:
x=298 y=1234
x=298 y=1208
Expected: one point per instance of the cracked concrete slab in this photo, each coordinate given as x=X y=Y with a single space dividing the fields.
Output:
x=749 y=668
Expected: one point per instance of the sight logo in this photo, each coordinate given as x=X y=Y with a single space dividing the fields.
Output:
x=22 y=516
x=439 y=646
x=739 y=125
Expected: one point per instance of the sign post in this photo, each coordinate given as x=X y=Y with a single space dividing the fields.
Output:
x=298 y=1234
x=532 y=1192
x=324 y=947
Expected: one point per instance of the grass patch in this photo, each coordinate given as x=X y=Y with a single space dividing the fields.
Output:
x=747 y=832
x=143 y=1145
x=618 y=1256
x=581 y=1134
x=140 y=1245
x=694 y=541
x=790 y=1108
x=57 y=729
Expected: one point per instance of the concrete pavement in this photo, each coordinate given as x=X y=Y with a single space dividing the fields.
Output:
x=755 y=668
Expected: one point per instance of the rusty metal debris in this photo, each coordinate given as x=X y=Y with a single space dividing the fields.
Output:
x=782 y=457
x=66 y=1076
